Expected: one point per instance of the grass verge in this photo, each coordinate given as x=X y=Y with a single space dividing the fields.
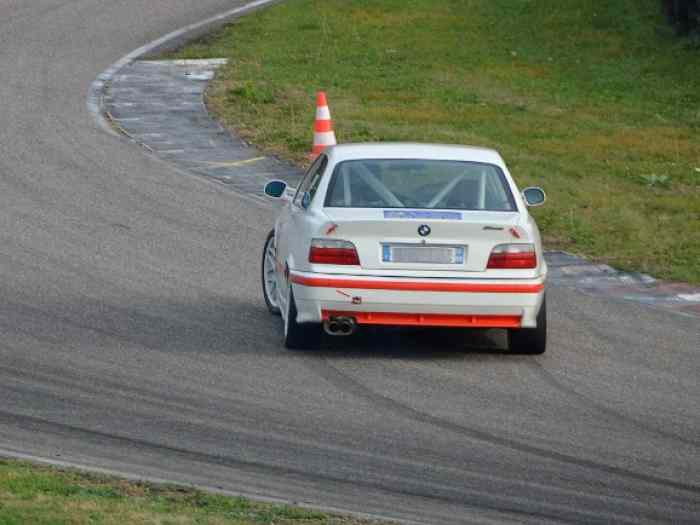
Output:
x=595 y=101
x=49 y=496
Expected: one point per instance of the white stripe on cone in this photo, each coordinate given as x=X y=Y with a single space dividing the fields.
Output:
x=323 y=113
x=324 y=139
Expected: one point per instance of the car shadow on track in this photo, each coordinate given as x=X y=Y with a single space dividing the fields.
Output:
x=416 y=344
x=208 y=326
x=232 y=325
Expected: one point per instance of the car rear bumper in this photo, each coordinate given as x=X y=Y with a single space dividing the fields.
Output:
x=418 y=302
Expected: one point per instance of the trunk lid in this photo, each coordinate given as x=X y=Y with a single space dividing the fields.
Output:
x=389 y=239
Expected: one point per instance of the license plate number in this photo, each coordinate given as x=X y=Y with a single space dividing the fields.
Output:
x=420 y=254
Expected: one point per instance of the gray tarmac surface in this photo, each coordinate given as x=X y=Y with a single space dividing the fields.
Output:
x=133 y=337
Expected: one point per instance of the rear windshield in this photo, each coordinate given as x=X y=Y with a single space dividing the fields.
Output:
x=419 y=184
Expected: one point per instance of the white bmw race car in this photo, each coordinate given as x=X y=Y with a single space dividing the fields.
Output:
x=406 y=235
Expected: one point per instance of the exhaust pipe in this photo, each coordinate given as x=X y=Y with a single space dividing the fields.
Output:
x=340 y=326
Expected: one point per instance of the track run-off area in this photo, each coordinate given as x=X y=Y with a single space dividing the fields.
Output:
x=134 y=338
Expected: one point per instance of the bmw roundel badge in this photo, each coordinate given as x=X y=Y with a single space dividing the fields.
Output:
x=424 y=230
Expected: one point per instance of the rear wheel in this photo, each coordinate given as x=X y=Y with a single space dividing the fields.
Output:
x=531 y=340
x=269 y=275
x=299 y=336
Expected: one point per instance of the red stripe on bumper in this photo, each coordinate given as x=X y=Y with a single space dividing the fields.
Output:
x=404 y=319
x=414 y=286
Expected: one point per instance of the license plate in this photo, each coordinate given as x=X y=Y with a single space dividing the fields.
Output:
x=421 y=254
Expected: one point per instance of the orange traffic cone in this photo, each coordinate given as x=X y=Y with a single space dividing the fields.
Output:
x=323 y=130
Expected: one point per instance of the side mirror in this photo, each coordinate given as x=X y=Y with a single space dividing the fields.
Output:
x=275 y=189
x=306 y=200
x=534 y=196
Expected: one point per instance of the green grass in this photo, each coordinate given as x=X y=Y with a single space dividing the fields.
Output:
x=597 y=102
x=49 y=496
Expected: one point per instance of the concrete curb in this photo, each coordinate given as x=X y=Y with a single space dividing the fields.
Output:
x=97 y=92
x=95 y=100
x=159 y=105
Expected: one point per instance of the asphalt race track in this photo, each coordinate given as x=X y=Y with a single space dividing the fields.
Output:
x=133 y=337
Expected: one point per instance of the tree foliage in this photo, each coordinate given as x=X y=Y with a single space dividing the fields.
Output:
x=684 y=14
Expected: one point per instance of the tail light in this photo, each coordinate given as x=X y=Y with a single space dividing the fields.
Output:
x=333 y=251
x=513 y=256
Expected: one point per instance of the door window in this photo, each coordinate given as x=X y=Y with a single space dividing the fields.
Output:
x=311 y=181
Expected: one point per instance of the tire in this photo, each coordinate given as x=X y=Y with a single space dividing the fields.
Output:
x=531 y=341
x=299 y=336
x=268 y=271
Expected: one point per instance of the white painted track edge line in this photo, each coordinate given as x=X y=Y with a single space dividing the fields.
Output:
x=95 y=106
x=95 y=99
x=96 y=91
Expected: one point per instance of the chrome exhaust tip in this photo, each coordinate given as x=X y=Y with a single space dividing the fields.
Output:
x=340 y=326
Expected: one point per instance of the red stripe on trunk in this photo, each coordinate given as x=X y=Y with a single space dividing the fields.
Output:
x=414 y=286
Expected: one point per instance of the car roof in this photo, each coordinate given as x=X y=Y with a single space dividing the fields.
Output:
x=412 y=150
